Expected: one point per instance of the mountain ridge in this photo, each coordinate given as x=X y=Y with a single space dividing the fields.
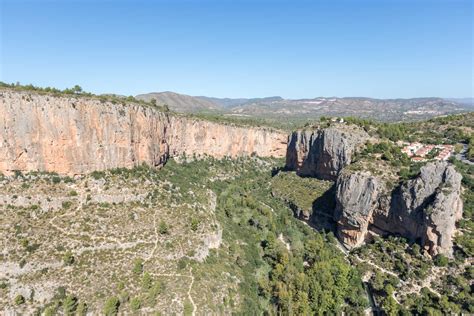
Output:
x=393 y=109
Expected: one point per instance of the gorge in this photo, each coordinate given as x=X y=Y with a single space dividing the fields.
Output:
x=72 y=135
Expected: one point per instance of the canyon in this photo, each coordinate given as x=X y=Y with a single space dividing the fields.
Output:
x=74 y=135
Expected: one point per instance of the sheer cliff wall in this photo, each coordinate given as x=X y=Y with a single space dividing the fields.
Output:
x=76 y=135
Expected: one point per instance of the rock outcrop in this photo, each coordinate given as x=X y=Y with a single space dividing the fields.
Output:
x=323 y=153
x=427 y=207
x=424 y=209
x=356 y=200
x=76 y=135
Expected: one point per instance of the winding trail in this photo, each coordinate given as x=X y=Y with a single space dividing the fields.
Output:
x=189 y=292
x=152 y=253
x=376 y=266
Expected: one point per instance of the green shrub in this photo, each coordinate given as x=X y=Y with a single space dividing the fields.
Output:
x=70 y=305
x=111 y=306
x=441 y=260
x=147 y=281
x=81 y=309
x=194 y=224
x=135 y=304
x=68 y=258
x=66 y=204
x=163 y=228
x=138 y=266
x=188 y=308
x=19 y=300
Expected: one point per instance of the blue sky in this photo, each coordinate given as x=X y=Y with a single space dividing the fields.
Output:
x=296 y=49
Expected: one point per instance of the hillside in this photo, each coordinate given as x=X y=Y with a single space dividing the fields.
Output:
x=180 y=102
x=304 y=110
x=378 y=109
x=230 y=103
x=196 y=237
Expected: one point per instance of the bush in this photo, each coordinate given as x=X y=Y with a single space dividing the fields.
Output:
x=19 y=300
x=68 y=258
x=194 y=224
x=188 y=308
x=182 y=263
x=138 y=266
x=163 y=228
x=111 y=306
x=135 y=304
x=66 y=204
x=147 y=281
x=70 y=305
x=81 y=309
x=441 y=260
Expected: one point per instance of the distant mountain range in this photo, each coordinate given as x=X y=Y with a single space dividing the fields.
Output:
x=465 y=101
x=278 y=107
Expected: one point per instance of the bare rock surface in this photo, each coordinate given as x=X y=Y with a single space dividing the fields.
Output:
x=424 y=209
x=76 y=135
x=323 y=153
x=356 y=200
x=429 y=206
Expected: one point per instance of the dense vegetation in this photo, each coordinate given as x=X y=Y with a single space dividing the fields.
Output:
x=309 y=275
x=304 y=195
x=410 y=270
x=465 y=241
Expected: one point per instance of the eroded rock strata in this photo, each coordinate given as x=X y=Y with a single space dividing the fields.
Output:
x=72 y=135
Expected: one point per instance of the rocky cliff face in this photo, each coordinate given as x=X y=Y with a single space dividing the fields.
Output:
x=427 y=207
x=71 y=135
x=323 y=153
x=356 y=199
x=424 y=209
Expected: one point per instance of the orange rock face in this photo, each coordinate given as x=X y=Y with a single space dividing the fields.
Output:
x=71 y=135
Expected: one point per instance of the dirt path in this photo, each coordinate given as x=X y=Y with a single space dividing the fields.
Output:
x=152 y=253
x=282 y=239
x=191 y=276
x=376 y=266
x=189 y=292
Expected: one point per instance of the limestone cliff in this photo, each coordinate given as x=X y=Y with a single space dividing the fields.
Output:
x=323 y=153
x=424 y=209
x=72 y=135
x=356 y=199
x=427 y=207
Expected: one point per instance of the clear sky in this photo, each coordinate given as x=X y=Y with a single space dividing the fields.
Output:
x=296 y=49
